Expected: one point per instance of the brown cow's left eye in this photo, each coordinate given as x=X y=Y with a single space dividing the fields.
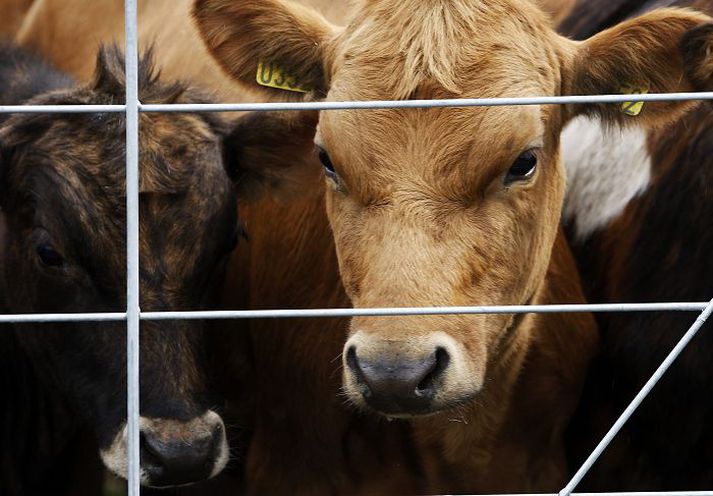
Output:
x=523 y=168
x=327 y=164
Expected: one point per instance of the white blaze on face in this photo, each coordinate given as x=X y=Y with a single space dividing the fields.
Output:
x=115 y=456
x=606 y=169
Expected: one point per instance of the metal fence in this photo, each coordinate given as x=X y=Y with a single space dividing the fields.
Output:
x=133 y=315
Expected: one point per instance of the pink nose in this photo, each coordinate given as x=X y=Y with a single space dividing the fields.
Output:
x=395 y=386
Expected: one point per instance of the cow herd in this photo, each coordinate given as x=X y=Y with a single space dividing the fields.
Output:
x=511 y=205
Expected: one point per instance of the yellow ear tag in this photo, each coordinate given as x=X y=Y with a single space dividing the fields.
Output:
x=633 y=108
x=272 y=76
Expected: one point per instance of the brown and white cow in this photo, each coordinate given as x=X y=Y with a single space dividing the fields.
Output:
x=457 y=206
x=638 y=208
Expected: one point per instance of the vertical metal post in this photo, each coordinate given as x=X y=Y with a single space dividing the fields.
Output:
x=132 y=247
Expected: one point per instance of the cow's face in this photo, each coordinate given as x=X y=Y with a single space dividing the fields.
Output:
x=65 y=251
x=444 y=206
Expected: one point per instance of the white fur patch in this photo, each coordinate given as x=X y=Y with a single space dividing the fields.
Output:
x=115 y=457
x=606 y=169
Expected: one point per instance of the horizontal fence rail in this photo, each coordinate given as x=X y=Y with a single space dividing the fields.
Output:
x=362 y=105
x=62 y=109
x=411 y=104
x=351 y=312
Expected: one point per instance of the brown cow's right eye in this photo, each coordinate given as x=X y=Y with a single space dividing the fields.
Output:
x=523 y=168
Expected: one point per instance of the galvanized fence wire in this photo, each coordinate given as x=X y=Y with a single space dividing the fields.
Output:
x=316 y=313
x=361 y=105
x=133 y=314
x=132 y=248
x=638 y=399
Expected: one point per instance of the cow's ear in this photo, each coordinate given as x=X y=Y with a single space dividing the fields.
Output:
x=697 y=48
x=277 y=46
x=643 y=55
x=273 y=152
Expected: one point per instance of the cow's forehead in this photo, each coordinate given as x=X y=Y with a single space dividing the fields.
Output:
x=448 y=152
x=428 y=134
x=451 y=49
x=79 y=194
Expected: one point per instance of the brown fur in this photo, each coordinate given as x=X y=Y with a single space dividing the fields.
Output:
x=304 y=39
x=557 y=9
x=69 y=32
x=13 y=13
x=637 y=52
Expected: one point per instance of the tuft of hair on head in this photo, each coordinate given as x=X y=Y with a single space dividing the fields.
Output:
x=110 y=77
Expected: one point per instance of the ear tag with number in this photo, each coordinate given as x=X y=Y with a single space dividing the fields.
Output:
x=633 y=108
x=272 y=76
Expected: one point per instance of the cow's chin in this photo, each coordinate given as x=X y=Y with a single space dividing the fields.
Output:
x=173 y=453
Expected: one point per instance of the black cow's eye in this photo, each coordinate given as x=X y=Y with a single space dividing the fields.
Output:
x=523 y=168
x=328 y=165
x=49 y=257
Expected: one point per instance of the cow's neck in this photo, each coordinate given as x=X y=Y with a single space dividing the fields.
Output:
x=513 y=431
x=303 y=429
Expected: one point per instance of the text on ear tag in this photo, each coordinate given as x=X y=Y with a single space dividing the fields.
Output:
x=272 y=76
x=633 y=108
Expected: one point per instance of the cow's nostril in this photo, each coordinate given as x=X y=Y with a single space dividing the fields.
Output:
x=353 y=364
x=440 y=363
x=352 y=359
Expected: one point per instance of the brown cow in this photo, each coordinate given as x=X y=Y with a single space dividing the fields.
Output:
x=415 y=227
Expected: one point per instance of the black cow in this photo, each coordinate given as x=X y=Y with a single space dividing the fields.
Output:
x=63 y=249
